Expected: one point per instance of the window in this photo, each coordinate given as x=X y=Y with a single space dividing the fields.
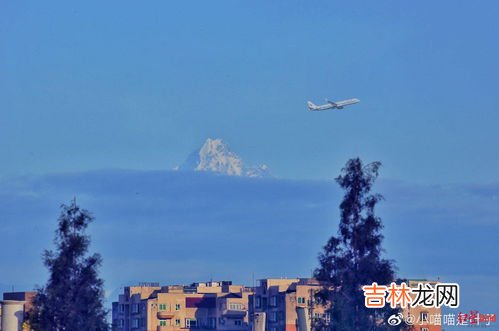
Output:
x=273 y=316
x=423 y=317
x=238 y=322
x=135 y=323
x=177 y=322
x=424 y=329
x=212 y=322
x=162 y=323
x=258 y=302
x=177 y=306
x=135 y=308
x=236 y=306
x=162 y=306
x=273 y=300
x=301 y=300
x=121 y=308
x=191 y=323
x=120 y=323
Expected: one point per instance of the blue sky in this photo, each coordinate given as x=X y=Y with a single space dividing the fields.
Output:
x=121 y=84
x=126 y=85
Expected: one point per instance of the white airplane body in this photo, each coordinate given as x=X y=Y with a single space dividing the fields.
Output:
x=332 y=105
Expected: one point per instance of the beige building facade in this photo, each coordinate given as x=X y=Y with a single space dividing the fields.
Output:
x=289 y=305
x=274 y=304
x=277 y=302
x=202 y=306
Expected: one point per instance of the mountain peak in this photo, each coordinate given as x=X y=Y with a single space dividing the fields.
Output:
x=216 y=156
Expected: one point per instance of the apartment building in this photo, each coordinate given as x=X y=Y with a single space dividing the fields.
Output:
x=289 y=305
x=202 y=306
x=13 y=309
x=276 y=303
x=273 y=305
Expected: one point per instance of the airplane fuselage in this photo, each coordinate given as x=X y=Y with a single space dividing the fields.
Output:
x=332 y=105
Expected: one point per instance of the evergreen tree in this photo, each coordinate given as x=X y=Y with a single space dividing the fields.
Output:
x=72 y=299
x=353 y=259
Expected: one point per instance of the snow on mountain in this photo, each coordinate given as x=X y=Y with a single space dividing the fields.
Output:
x=260 y=171
x=215 y=156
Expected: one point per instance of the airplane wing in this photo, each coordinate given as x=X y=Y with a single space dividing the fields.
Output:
x=347 y=102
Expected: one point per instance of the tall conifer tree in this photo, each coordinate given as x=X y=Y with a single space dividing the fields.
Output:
x=353 y=257
x=72 y=299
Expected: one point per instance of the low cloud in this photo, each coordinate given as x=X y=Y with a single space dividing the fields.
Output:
x=181 y=226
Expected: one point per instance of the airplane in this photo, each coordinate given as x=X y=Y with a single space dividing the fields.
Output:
x=332 y=105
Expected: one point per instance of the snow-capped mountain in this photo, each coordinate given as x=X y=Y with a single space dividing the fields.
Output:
x=215 y=156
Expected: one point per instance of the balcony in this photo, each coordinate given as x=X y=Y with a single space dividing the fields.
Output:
x=230 y=313
x=163 y=315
